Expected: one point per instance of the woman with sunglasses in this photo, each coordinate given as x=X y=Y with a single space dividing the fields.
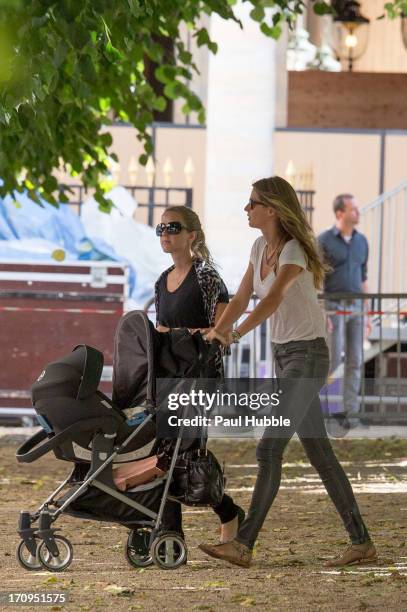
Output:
x=191 y=294
x=285 y=272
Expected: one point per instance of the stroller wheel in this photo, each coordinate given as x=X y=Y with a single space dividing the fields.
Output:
x=60 y=562
x=25 y=558
x=138 y=547
x=169 y=550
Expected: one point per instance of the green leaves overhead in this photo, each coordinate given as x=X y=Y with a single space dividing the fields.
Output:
x=397 y=8
x=69 y=67
x=322 y=8
x=202 y=38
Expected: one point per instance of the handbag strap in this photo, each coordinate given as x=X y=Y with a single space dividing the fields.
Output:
x=202 y=440
x=202 y=447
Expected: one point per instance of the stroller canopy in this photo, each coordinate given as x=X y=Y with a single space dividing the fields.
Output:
x=142 y=354
x=77 y=375
x=133 y=361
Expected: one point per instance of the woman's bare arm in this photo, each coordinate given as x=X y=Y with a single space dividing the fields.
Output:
x=237 y=304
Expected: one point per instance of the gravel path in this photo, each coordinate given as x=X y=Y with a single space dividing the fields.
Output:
x=288 y=574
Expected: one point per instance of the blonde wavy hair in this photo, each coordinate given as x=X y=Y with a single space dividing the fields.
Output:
x=281 y=196
x=193 y=224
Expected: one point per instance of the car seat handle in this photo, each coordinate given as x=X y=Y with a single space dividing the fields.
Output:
x=39 y=444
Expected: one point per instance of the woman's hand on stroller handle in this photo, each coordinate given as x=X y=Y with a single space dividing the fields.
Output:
x=215 y=337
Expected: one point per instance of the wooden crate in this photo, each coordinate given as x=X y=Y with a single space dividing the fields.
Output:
x=47 y=309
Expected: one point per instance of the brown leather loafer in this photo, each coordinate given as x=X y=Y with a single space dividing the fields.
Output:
x=354 y=554
x=233 y=552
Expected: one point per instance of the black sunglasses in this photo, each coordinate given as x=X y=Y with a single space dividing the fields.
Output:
x=253 y=203
x=174 y=227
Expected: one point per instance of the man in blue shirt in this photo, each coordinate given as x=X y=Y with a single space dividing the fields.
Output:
x=346 y=251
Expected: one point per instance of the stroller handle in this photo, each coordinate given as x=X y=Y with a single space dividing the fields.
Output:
x=24 y=453
x=215 y=345
x=206 y=359
x=39 y=444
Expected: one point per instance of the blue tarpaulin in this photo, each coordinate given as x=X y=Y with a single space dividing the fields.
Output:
x=29 y=231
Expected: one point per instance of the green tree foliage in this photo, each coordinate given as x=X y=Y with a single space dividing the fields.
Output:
x=67 y=67
x=397 y=8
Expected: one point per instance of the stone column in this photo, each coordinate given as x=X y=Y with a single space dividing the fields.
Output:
x=240 y=123
x=319 y=28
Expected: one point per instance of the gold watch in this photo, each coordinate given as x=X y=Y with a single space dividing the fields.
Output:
x=235 y=336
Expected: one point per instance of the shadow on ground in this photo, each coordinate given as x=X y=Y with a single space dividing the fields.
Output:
x=300 y=532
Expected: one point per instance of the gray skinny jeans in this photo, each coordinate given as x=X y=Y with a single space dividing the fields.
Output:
x=305 y=363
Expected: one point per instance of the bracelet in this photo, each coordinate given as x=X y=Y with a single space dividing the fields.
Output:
x=235 y=336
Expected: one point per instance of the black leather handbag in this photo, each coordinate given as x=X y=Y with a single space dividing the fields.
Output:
x=198 y=479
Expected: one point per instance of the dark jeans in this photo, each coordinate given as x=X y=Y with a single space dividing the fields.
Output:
x=305 y=363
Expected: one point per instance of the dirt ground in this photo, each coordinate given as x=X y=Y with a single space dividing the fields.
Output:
x=288 y=573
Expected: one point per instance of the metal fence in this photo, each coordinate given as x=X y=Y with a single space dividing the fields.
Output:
x=383 y=386
x=155 y=199
x=152 y=199
x=306 y=198
x=383 y=222
x=382 y=394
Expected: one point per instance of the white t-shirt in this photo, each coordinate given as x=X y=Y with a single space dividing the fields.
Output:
x=299 y=316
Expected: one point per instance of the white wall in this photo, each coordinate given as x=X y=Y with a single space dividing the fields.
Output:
x=240 y=122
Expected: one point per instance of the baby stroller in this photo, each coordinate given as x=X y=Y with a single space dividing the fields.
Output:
x=82 y=425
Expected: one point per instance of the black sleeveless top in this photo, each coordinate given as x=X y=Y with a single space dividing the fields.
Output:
x=193 y=303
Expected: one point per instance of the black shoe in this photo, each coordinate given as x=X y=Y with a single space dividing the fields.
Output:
x=358 y=423
x=338 y=425
x=342 y=420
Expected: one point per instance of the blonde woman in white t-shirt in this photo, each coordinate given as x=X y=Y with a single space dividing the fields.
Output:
x=285 y=271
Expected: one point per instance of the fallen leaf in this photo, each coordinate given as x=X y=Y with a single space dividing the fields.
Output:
x=247 y=603
x=115 y=589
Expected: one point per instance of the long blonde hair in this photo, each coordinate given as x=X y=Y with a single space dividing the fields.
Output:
x=278 y=193
x=193 y=224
